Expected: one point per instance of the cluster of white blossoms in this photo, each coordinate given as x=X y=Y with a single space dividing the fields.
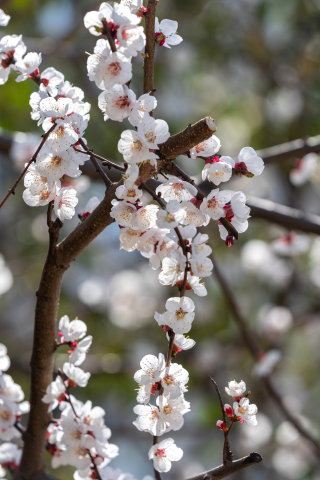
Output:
x=12 y=407
x=243 y=411
x=79 y=437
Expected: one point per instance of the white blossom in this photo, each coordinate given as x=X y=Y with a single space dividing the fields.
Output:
x=166 y=33
x=181 y=342
x=53 y=165
x=291 y=244
x=218 y=171
x=117 y=102
x=65 y=202
x=4 y=19
x=245 y=411
x=55 y=393
x=174 y=381
x=145 y=104
x=171 y=216
x=56 y=108
x=62 y=136
x=132 y=194
x=51 y=79
x=129 y=238
x=201 y=266
x=194 y=216
x=164 y=453
x=4 y=359
x=180 y=314
x=12 y=50
x=8 y=413
x=131 y=38
x=149 y=420
x=133 y=147
x=28 y=65
x=9 y=390
x=131 y=175
x=79 y=351
x=172 y=411
x=172 y=267
x=122 y=212
x=176 y=189
x=76 y=375
x=266 y=363
x=66 y=89
x=213 y=205
x=199 y=247
x=113 y=69
x=151 y=372
x=73 y=330
x=248 y=160
x=304 y=169
x=10 y=454
x=237 y=213
x=154 y=132
x=134 y=5
x=145 y=217
x=208 y=148
x=235 y=389
x=38 y=190
x=93 y=20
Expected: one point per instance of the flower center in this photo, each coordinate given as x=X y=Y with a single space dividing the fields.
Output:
x=123 y=102
x=180 y=314
x=114 y=68
x=160 y=38
x=160 y=452
x=167 y=410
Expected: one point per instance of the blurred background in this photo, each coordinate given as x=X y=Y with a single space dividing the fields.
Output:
x=253 y=65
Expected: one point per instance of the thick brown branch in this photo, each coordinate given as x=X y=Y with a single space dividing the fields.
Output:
x=190 y=137
x=33 y=457
x=148 y=66
x=231 y=467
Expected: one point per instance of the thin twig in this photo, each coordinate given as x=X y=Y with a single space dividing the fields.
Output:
x=33 y=159
x=102 y=173
x=227 y=454
x=95 y=466
x=105 y=162
x=19 y=428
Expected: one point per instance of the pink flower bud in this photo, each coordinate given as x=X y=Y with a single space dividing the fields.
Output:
x=228 y=410
x=222 y=426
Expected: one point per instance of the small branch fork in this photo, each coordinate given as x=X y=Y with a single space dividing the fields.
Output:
x=103 y=175
x=255 y=351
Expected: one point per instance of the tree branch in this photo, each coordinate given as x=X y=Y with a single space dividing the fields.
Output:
x=148 y=66
x=287 y=151
x=231 y=467
x=255 y=351
x=288 y=217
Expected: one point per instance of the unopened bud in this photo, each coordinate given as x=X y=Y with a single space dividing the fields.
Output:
x=227 y=408
x=222 y=426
